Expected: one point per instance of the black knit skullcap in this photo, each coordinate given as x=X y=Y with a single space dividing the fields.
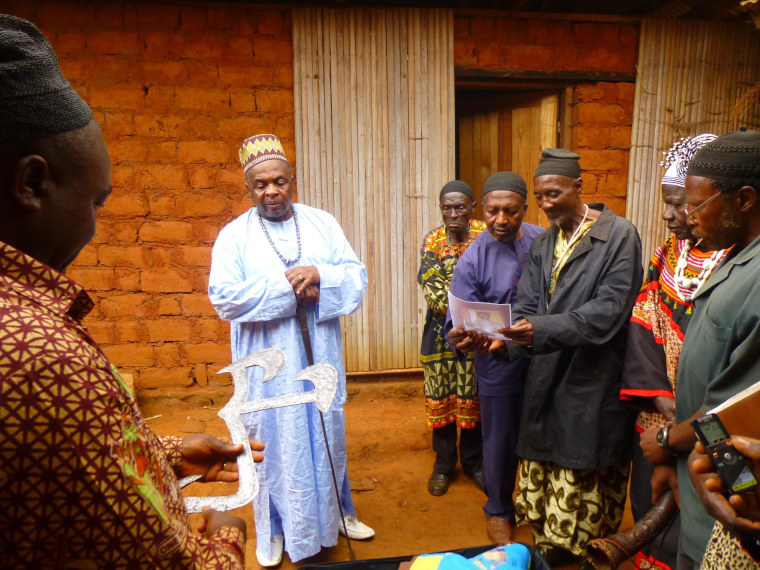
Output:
x=35 y=98
x=730 y=157
x=506 y=181
x=560 y=162
x=457 y=186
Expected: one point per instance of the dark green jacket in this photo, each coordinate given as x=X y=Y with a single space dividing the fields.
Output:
x=720 y=357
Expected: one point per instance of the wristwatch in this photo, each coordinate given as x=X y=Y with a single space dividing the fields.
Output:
x=663 y=437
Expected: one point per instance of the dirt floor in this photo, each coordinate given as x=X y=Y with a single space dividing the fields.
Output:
x=390 y=460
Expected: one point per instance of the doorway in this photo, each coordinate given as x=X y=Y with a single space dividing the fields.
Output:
x=505 y=130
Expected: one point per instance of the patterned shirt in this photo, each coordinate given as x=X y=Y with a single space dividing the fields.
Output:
x=83 y=481
x=449 y=385
x=439 y=258
x=658 y=325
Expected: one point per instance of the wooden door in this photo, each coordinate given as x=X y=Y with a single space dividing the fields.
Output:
x=505 y=131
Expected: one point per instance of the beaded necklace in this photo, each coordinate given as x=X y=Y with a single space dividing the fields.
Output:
x=287 y=262
x=687 y=287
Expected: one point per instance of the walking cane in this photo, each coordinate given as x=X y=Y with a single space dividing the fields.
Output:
x=301 y=312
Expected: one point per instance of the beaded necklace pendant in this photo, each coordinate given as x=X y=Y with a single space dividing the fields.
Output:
x=287 y=262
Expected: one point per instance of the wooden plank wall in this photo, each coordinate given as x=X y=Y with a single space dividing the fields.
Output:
x=690 y=76
x=374 y=98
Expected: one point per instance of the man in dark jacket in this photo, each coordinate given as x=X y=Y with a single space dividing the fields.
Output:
x=574 y=302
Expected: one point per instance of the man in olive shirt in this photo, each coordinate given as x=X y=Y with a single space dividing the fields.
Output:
x=721 y=347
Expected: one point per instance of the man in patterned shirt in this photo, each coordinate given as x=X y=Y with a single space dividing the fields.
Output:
x=451 y=399
x=84 y=483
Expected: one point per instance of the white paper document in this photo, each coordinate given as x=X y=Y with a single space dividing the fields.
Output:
x=486 y=318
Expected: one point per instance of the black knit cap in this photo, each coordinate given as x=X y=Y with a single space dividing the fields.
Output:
x=35 y=99
x=558 y=161
x=730 y=157
x=506 y=181
x=457 y=186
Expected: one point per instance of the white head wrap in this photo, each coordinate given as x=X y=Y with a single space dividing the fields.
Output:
x=679 y=155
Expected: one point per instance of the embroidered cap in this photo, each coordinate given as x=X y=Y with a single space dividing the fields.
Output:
x=730 y=157
x=259 y=148
x=36 y=101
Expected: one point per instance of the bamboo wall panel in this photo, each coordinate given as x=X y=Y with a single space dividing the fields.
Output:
x=691 y=75
x=374 y=96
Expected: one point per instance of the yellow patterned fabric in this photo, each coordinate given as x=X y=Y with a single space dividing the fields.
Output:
x=569 y=507
x=259 y=148
x=725 y=552
x=450 y=394
x=562 y=251
x=84 y=483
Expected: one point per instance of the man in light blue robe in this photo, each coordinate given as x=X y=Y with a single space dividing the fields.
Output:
x=264 y=263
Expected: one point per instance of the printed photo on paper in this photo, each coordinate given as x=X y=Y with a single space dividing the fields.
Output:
x=486 y=318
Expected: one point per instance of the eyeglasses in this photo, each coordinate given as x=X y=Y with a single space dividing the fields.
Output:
x=690 y=214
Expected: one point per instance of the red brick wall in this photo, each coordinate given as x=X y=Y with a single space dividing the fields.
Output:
x=602 y=111
x=602 y=118
x=175 y=88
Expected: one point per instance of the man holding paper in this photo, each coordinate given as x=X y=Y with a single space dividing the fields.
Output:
x=570 y=317
x=488 y=272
